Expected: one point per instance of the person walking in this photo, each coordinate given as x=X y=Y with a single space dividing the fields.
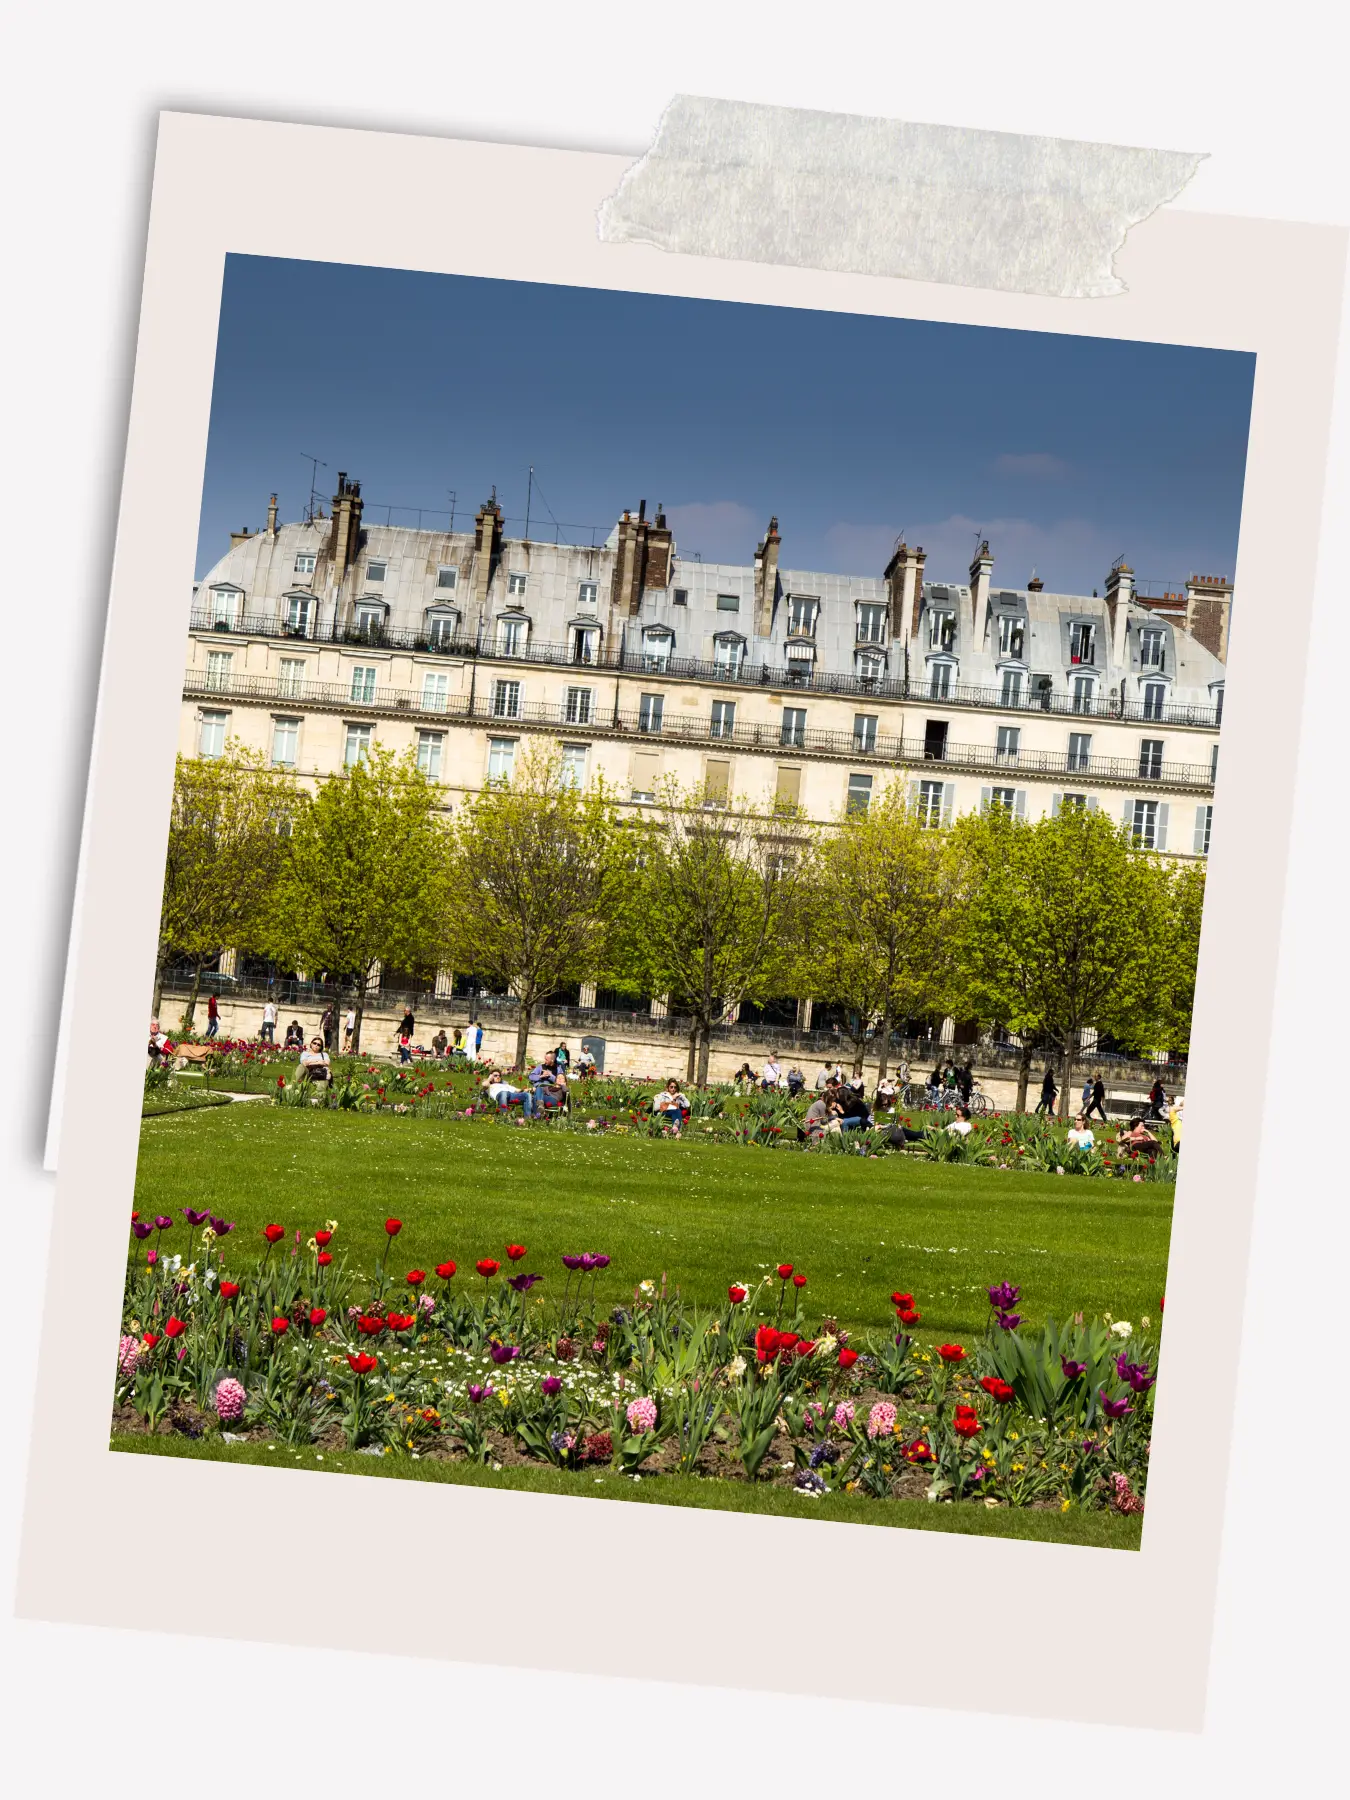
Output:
x=348 y=1029
x=1157 y=1100
x=408 y=1025
x=328 y=1027
x=1096 y=1100
x=563 y=1056
x=1087 y=1094
x=1049 y=1094
x=477 y=1037
x=268 y=1031
x=212 y=1016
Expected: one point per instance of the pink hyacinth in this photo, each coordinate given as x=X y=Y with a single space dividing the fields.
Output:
x=881 y=1420
x=641 y=1414
x=230 y=1398
x=427 y=1303
x=128 y=1355
x=843 y=1414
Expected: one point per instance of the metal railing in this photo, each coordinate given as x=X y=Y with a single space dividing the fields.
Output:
x=504 y=712
x=618 y=658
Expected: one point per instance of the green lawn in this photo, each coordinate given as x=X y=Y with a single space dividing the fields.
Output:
x=701 y=1214
x=1101 y=1530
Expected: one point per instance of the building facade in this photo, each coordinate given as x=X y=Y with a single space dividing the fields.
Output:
x=313 y=641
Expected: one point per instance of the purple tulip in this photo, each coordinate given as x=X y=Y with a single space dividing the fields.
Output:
x=163 y=1222
x=1009 y=1320
x=523 y=1283
x=1114 y=1409
x=601 y=1262
x=220 y=1227
x=504 y=1353
x=587 y=1262
x=1073 y=1371
x=551 y=1385
x=194 y=1217
x=571 y=1262
x=1004 y=1297
x=141 y=1229
x=479 y=1394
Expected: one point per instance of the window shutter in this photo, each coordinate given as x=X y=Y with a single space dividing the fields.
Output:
x=986 y=795
x=1093 y=803
x=1127 y=817
x=1163 y=811
x=914 y=796
x=1020 y=803
x=1201 y=820
x=1056 y=801
x=948 y=801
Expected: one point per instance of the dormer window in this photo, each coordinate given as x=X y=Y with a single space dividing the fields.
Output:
x=370 y=617
x=588 y=592
x=1012 y=630
x=515 y=586
x=728 y=654
x=1083 y=693
x=584 y=644
x=1217 y=691
x=304 y=562
x=871 y=668
x=941 y=629
x=447 y=579
x=1152 y=647
x=1082 y=642
x=511 y=636
x=871 y=626
x=225 y=603
x=376 y=571
x=941 y=678
x=657 y=642
x=442 y=627
x=802 y=612
x=299 y=613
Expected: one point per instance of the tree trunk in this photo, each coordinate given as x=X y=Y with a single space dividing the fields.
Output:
x=190 y=1010
x=523 y=1016
x=360 y=1013
x=691 y=1066
x=704 y=1051
x=1023 y=1077
x=158 y=999
x=1066 y=1092
x=883 y=1045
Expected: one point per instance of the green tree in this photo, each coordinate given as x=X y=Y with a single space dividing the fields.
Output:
x=714 y=907
x=536 y=885
x=225 y=852
x=1064 y=928
x=881 y=937
x=1186 y=900
x=363 y=881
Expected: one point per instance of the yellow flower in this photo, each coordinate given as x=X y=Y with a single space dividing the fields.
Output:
x=1064 y=1506
x=1019 y=1468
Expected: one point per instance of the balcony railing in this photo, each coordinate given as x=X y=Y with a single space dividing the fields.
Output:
x=800 y=676
x=767 y=739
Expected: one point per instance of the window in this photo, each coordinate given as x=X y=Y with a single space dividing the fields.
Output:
x=1080 y=749
x=363 y=685
x=1155 y=699
x=1151 y=641
x=1144 y=823
x=802 y=615
x=578 y=707
x=506 y=699
x=292 y=670
x=211 y=742
x=285 y=741
x=1082 y=642
x=585 y=643
x=871 y=624
x=501 y=758
x=588 y=592
x=304 y=562
x=441 y=629
x=572 y=767
x=447 y=578
x=859 y=793
x=1073 y=802
x=935 y=740
x=1150 y=759
x=1218 y=704
x=656 y=650
x=941 y=630
x=1011 y=692
x=218 y=666
x=800 y=657
x=515 y=586
x=1003 y=798
x=357 y=748
x=871 y=669
x=225 y=607
x=727 y=654
x=728 y=603
x=930 y=800
x=435 y=692
x=794 y=726
x=1009 y=742
x=370 y=622
x=646 y=774
x=1213 y=763
x=679 y=597
x=429 y=747
x=1011 y=634
x=1204 y=820
x=511 y=635
x=788 y=786
x=1084 y=692
x=651 y=708
x=716 y=781
x=864 y=731
x=940 y=680
x=298 y=609
x=376 y=571
x=723 y=718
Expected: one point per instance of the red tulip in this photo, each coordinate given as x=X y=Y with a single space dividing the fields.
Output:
x=1161 y=1298
x=363 y=1363
x=416 y=1277
x=767 y=1341
x=151 y=1339
x=174 y=1327
x=998 y=1390
x=228 y=1289
x=323 y=1239
x=445 y=1270
x=393 y=1226
x=902 y=1300
x=280 y=1327
x=274 y=1233
x=135 y=1215
x=487 y=1268
x=951 y=1353
x=784 y=1270
x=909 y=1316
x=799 y=1281
x=324 y=1258
x=370 y=1325
x=965 y=1422
x=806 y=1346
x=399 y=1321
x=847 y=1357
x=736 y=1293
x=516 y=1251
x=317 y=1315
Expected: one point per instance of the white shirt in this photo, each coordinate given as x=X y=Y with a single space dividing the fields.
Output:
x=497 y=1090
x=350 y=1021
x=269 y=1014
x=665 y=1101
x=959 y=1128
x=1082 y=1140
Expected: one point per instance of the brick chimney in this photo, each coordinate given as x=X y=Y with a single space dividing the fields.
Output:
x=344 y=537
x=1209 y=611
x=1035 y=585
x=904 y=584
x=487 y=548
x=981 y=570
x=630 y=562
x=660 y=552
x=766 y=579
x=1119 y=593
x=272 y=516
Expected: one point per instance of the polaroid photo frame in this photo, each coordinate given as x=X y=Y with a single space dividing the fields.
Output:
x=226 y=186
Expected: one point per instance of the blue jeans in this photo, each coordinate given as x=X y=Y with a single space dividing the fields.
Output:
x=212 y=1026
x=848 y=1124
x=525 y=1102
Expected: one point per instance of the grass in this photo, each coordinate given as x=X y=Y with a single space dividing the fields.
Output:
x=700 y=1214
x=176 y=1101
x=1108 y=1531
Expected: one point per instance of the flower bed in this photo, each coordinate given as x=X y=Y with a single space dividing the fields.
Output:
x=497 y=1363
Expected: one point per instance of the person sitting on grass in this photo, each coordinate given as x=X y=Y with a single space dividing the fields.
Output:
x=745 y=1076
x=1080 y=1136
x=853 y=1109
x=440 y=1043
x=961 y=1125
x=817 y=1121
x=901 y=1136
x=796 y=1081
x=295 y=1036
x=503 y=1096
x=1138 y=1139
x=585 y=1062
x=549 y=1083
x=314 y=1064
x=670 y=1104
x=886 y=1094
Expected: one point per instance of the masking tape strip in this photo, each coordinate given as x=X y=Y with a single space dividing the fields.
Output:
x=984 y=209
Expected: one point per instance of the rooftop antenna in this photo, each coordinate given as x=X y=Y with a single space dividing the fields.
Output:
x=529 y=495
x=315 y=464
x=453 y=494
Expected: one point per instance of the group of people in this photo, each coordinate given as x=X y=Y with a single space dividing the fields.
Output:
x=546 y=1088
x=840 y=1105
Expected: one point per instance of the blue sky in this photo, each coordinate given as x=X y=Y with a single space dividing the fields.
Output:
x=1065 y=452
